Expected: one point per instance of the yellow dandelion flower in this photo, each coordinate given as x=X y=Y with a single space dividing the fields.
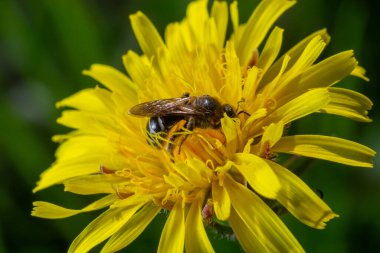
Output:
x=205 y=160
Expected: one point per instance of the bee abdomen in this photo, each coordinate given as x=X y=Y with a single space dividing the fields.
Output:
x=159 y=127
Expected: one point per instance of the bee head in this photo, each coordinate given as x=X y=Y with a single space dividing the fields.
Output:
x=212 y=109
x=228 y=110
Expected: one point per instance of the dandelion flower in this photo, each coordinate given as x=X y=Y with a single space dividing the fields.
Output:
x=226 y=175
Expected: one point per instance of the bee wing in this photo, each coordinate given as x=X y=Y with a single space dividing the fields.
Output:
x=157 y=108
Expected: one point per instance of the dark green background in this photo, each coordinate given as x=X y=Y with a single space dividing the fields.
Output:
x=44 y=46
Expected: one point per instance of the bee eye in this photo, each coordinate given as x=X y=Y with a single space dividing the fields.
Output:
x=229 y=111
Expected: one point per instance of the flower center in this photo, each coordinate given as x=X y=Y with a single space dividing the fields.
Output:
x=207 y=145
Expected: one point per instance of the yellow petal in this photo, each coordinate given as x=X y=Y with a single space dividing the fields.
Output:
x=50 y=211
x=359 y=71
x=221 y=170
x=132 y=229
x=93 y=100
x=82 y=146
x=271 y=49
x=90 y=122
x=146 y=34
x=188 y=60
x=307 y=103
x=178 y=40
x=170 y=71
x=131 y=201
x=230 y=130
x=139 y=68
x=300 y=200
x=234 y=12
x=231 y=91
x=348 y=103
x=250 y=86
x=211 y=39
x=327 y=72
x=269 y=89
x=79 y=156
x=271 y=135
x=173 y=235
x=219 y=12
x=327 y=148
x=248 y=146
x=260 y=219
x=310 y=54
x=248 y=239
x=221 y=201
x=62 y=171
x=115 y=81
x=294 y=53
x=260 y=113
x=176 y=181
x=104 y=226
x=195 y=172
x=93 y=184
x=196 y=239
x=265 y=14
x=98 y=148
x=196 y=18
x=258 y=174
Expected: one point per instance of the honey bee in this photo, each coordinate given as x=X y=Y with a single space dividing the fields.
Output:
x=198 y=111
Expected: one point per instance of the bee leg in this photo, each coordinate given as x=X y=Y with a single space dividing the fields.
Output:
x=186 y=95
x=190 y=124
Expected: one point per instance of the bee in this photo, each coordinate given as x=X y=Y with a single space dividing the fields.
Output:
x=198 y=111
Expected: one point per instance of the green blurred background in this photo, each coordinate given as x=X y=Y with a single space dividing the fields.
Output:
x=44 y=46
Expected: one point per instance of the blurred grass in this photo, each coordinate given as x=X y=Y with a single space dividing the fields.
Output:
x=44 y=46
